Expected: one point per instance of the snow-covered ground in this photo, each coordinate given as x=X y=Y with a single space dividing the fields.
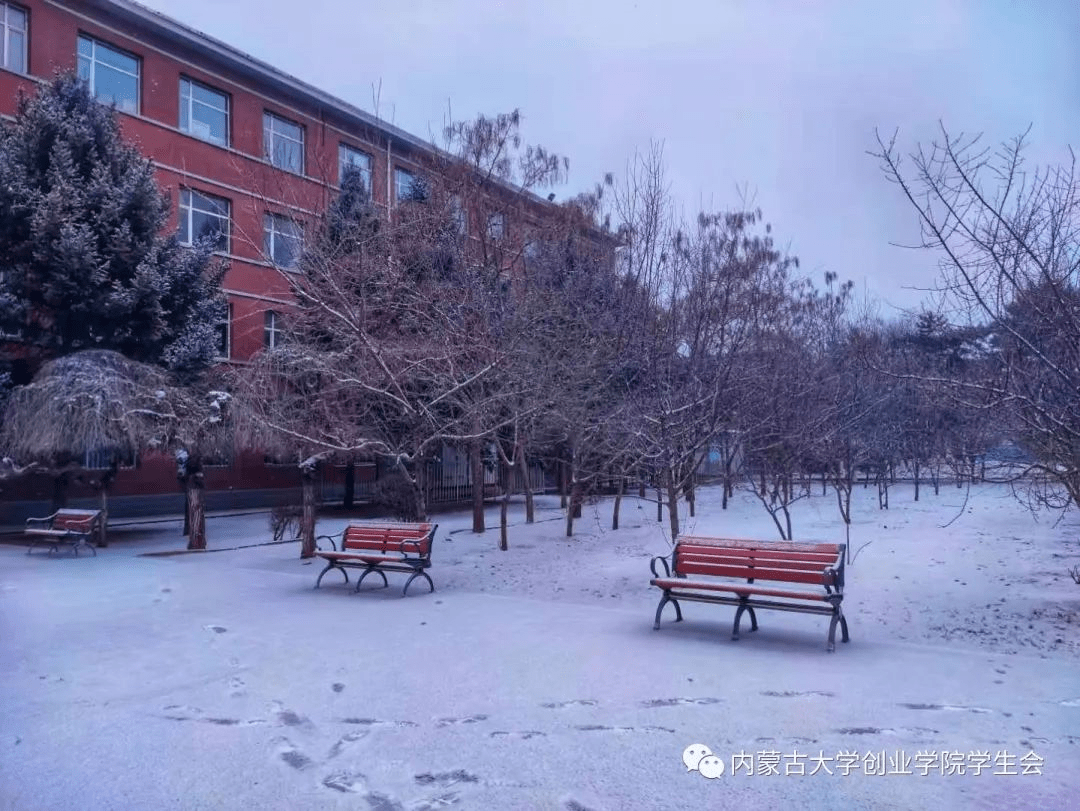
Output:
x=532 y=679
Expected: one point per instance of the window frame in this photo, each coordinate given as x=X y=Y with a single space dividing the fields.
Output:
x=271 y=234
x=91 y=78
x=191 y=102
x=273 y=330
x=6 y=31
x=496 y=226
x=400 y=171
x=459 y=215
x=367 y=173
x=226 y=333
x=188 y=211
x=269 y=133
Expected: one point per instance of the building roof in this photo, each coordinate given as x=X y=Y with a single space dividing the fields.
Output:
x=176 y=32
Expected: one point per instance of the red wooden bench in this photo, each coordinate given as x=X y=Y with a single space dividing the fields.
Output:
x=381 y=548
x=64 y=526
x=707 y=570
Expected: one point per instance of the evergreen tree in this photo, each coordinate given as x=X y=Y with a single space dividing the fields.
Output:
x=84 y=262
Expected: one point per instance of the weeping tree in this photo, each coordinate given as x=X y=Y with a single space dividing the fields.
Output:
x=95 y=409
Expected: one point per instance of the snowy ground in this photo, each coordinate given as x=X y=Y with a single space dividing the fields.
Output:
x=532 y=679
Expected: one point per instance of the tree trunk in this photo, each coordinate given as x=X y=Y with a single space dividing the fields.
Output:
x=564 y=482
x=59 y=496
x=476 y=466
x=193 y=484
x=620 y=486
x=419 y=479
x=673 y=507
x=504 y=507
x=659 y=505
x=530 y=509
x=691 y=494
x=573 y=509
x=103 y=530
x=916 y=471
x=350 y=485
x=308 y=477
x=187 y=510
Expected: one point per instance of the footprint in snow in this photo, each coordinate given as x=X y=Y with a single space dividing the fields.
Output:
x=575 y=702
x=291 y=755
x=471 y=719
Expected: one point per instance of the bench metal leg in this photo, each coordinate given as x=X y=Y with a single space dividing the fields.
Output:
x=330 y=566
x=837 y=617
x=667 y=598
x=368 y=571
x=749 y=609
x=424 y=575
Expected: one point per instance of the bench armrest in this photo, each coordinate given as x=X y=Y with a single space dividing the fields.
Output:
x=663 y=560
x=46 y=520
x=326 y=538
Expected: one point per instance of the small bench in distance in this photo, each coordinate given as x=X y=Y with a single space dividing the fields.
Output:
x=381 y=548
x=64 y=526
x=702 y=569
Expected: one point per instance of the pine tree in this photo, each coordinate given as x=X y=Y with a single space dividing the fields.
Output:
x=84 y=262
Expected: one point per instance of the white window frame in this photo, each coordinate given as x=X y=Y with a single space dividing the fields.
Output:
x=227 y=333
x=272 y=233
x=188 y=209
x=93 y=61
x=399 y=191
x=190 y=103
x=9 y=28
x=346 y=157
x=273 y=331
x=271 y=133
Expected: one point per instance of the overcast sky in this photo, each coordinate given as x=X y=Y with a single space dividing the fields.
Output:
x=781 y=98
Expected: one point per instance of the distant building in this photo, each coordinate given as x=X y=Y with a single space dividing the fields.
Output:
x=246 y=153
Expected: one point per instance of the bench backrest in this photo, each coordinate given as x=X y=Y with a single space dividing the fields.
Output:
x=790 y=562
x=76 y=520
x=411 y=539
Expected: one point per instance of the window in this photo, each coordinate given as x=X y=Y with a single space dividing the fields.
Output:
x=282 y=240
x=458 y=215
x=224 y=333
x=283 y=141
x=406 y=186
x=202 y=216
x=496 y=226
x=348 y=156
x=274 y=331
x=204 y=112
x=12 y=38
x=113 y=75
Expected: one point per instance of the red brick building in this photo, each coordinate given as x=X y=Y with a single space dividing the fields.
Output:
x=243 y=150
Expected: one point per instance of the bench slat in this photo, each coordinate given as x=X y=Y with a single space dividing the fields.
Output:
x=792 y=546
x=679 y=584
x=746 y=572
x=770 y=563
x=777 y=554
